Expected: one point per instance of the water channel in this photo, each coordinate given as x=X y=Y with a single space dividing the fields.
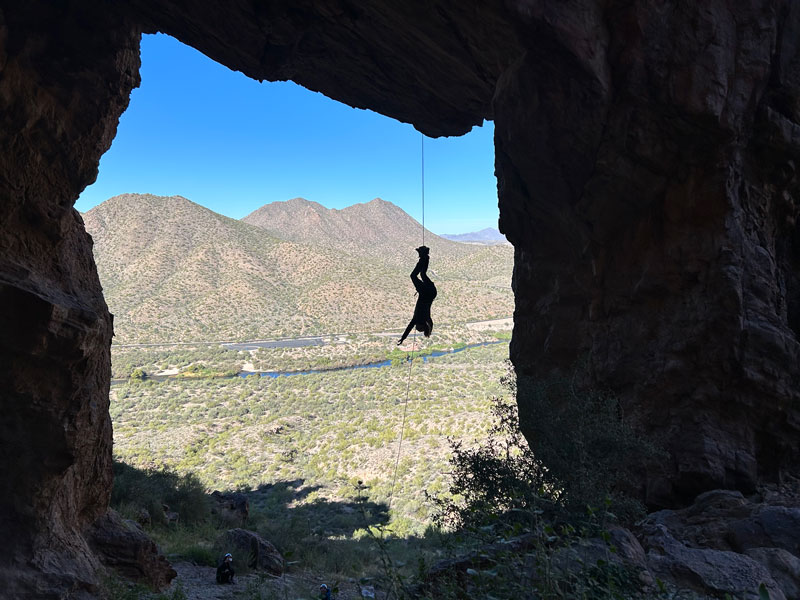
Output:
x=372 y=365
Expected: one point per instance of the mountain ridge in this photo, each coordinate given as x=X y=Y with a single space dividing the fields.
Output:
x=173 y=270
x=487 y=235
x=353 y=229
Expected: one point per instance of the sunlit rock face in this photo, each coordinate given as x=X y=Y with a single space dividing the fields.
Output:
x=646 y=155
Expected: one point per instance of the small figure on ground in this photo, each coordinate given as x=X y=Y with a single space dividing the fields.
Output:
x=324 y=592
x=427 y=292
x=225 y=570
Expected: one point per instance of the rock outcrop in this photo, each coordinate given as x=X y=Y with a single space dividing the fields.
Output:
x=716 y=572
x=65 y=76
x=230 y=507
x=647 y=180
x=646 y=155
x=124 y=547
x=726 y=520
x=726 y=543
x=251 y=550
x=688 y=552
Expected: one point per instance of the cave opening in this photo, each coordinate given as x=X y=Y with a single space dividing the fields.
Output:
x=246 y=144
x=597 y=108
x=196 y=130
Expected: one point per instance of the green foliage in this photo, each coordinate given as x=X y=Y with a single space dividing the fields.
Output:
x=200 y=371
x=763 y=592
x=199 y=554
x=530 y=507
x=398 y=356
x=324 y=428
x=113 y=587
x=498 y=476
x=541 y=565
x=135 y=489
x=587 y=453
x=138 y=374
x=581 y=454
x=297 y=446
x=216 y=360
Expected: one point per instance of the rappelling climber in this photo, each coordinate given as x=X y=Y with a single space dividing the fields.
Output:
x=427 y=292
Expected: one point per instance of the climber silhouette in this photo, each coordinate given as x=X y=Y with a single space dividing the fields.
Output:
x=427 y=292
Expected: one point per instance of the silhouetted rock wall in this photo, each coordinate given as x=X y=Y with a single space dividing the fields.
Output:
x=646 y=155
x=65 y=77
x=646 y=163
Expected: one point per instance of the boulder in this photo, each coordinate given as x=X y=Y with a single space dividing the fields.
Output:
x=767 y=527
x=706 y=522
x=250 y=549
x=686 y=543
x=627 y=547
x=706 y=570
x=230 y=507
x=621 y=548
x=123 y=546
x=782 y=565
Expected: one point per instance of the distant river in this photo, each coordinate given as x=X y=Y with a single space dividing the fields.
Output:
x=372 y=365
x=274 y=374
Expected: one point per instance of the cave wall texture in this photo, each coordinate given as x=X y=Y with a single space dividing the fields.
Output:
x=646 y=156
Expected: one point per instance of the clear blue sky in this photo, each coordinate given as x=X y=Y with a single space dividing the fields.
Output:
x=197 y=129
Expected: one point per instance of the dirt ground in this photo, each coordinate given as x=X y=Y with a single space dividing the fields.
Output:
x=507 y=323
x=198 y=583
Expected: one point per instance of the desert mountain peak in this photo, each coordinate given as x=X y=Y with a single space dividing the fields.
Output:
x=174 y=270
x=361 y=229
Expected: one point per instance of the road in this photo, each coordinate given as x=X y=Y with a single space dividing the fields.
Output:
x=300 y=342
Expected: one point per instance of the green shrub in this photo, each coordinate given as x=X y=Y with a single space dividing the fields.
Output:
x=200 y=555
x=581 y=455
x=138 y=374
x=135 y=489
x=587 y=454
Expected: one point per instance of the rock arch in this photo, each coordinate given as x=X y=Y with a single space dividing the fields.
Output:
x=646 y=156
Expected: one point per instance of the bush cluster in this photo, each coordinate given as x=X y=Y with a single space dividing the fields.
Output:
x=579 y=455
x=135 y=489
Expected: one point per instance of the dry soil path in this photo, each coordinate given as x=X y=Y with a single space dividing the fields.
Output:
x=198 y=583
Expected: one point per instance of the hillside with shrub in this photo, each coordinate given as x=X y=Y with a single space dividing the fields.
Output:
x=173 y=270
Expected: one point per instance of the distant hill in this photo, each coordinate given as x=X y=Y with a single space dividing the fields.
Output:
x=489 y=236
x=173 y=270
x=377 y=228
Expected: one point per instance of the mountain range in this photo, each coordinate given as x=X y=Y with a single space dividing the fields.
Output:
x=489 y=236
x=173 y=270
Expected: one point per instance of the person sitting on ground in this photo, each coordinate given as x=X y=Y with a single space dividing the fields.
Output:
x=225 y=570
x=427 y=292
x=324 y=592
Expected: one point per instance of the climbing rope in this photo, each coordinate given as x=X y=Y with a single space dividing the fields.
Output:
x=403 y=426
x=422 y=170
x=414 y=346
